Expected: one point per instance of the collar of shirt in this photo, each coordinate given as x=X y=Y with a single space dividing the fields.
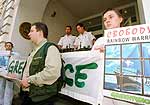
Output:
x=84 y=33
x=40 y=44
x=68 y=35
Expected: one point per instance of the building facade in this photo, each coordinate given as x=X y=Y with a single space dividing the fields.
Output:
x=54 y=13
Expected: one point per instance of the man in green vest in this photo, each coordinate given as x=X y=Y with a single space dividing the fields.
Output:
x=42 y=70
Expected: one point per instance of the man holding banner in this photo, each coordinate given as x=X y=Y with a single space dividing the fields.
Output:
x=7 y=86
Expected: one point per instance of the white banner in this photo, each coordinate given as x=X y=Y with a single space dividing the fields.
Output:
x=130 y=34
x=127 y=63
x=84 y=76
x=11 y=85
x=16 y=66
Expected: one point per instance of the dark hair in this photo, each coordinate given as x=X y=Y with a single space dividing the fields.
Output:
x=69 y=27
x=9 y=43
x=41 y=27
x=81 y=25
x=117 y=12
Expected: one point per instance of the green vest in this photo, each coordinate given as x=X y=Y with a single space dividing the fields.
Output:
x=37 y=65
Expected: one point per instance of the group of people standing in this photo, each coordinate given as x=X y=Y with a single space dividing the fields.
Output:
x=42 y=70
x=84 y=40
x=111 y=19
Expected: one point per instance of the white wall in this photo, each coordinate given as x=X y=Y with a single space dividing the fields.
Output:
x=27 y=12
x=34 y=11
x=141 y=11
x=146 y=9
x=56 y=25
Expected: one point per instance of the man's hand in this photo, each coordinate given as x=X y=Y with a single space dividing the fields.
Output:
x=100 y=48
x=24 y=83
x=12 y=75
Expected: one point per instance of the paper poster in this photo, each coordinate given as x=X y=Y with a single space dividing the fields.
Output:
x=127 y=64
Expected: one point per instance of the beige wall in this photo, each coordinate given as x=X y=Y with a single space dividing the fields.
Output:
x=27 y=12
x=41 y=11
x=144 y=9
x=56 y=25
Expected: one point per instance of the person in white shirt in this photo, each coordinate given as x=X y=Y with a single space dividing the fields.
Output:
x=9 y=47
x=68 y=40
x=7 y=86
x=85 y=39
x=112 y=18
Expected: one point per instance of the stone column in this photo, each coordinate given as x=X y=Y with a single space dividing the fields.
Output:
x=144 y=8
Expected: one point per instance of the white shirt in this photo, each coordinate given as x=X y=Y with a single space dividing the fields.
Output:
x=67 y=40
x=100 y=42
x=84 y=40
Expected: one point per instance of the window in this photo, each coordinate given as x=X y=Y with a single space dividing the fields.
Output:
x=95 y=25
x=127 y=68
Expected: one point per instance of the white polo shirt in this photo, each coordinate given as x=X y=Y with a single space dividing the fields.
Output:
x=67 y=40
x=100 y=42
x=84 y=40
